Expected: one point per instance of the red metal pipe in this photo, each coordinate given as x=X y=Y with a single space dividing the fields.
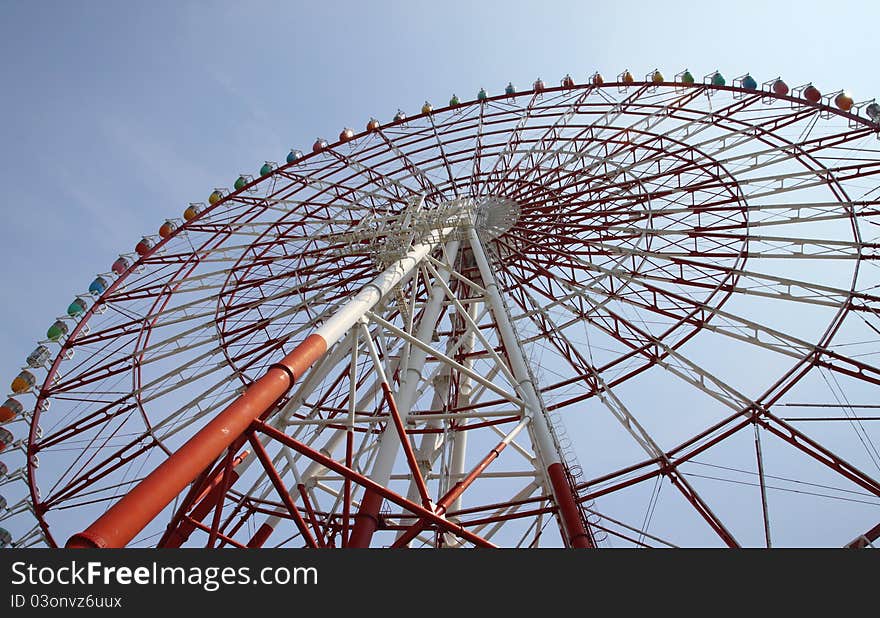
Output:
x=568 y=508
x=366 y=520
x=407 y=447
x=208 y=499
x=186 y=504
x=216 y=480
x=242 y=519
x=261 y=536
x=370 y=485
x=219 y=535
x=276 y=480
x=491 y=519
x=222 y=488
x=702 y=508
x=818 y=452
x=310 y=513
x=451 y=495
x=119 y=525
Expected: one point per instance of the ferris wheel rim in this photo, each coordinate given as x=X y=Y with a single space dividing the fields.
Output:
x=832 y=328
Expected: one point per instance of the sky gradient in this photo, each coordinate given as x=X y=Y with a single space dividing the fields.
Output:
x=118 y=114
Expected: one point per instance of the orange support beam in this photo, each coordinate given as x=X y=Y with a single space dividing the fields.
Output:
x=125 y=519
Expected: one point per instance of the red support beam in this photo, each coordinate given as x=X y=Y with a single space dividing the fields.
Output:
x=220 y=536
x=211 y=495
x=221 y=489
x=451 y=495
x=702 y=508
x=407 y=447
x=793 y=436
x=310 y=513
x=577 y=534
x=863 y=540
x=260 y=536
x=125 y=519
x=370 y=485
x=273 y=475
x=366 y=520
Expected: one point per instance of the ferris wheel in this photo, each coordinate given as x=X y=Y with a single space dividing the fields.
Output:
x=618 y=313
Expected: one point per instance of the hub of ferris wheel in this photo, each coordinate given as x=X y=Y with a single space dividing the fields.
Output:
x=390 y=236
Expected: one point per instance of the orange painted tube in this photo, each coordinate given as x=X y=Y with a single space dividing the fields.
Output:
x=125 y=519
x=451 y=495
x=366 y=520
x=218 y=477
x=261 y=536
x=568 y=509
x=205 y=502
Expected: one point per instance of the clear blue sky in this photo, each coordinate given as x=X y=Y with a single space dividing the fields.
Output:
x=117 y=114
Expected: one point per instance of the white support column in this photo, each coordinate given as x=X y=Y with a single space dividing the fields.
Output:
x=332 y=443
x=335 y=328
x=431 y=443
x=338 y=324
x=545 y=447
x=546 y=450
x=458 y=460
x=465 y=390
x=389 y=442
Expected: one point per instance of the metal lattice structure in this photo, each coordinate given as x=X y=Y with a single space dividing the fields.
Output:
x=639 y=313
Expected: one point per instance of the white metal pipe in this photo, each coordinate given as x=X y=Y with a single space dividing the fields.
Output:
x=451 y=540
x=340 y=322
x=466 y=388
x=419 y=344
x=545 y=446
x=430 y=446
x=413 y=419
x=405 y=398
x=475 y=332
x=314 y=469
x=347 y=317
